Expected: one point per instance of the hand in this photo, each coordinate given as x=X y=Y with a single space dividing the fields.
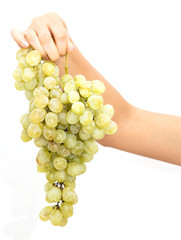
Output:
x=47 y=34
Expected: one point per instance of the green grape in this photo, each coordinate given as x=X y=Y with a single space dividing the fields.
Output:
x=56 y=218
x=66 y=209
x=62 y=117
x=71 y=117
x=54 y=194
x=85 y=92
x=70 y=141
x=78 y=149
x=78 y=108
x=56 y=93
x=48 y=186
x=98 y=133
x=74 y=169
x=17 y=74
x=40 y=91
x=60 y=136
x=49 y=133
x=22 y=63
x=28 y=74
x=91 y=146
x=70 y=184
x=29 y=94
x=70 y=179
x=35 y=130
x=45 y=213
x=111 y=129
x=22 y=52
x=98 y=86
x=79 y=80
x=63 y=151
x=43 y=157
x=84 y=136
x=55 y=105
x=52 y=146
x=40 y=141
x=19 y=85
x=75 y=159
x=69 y=86
x=33 y=58
x=60 y=163
x=85 y=157
x=107 y=109
x=64 y=98
x=24 y=136
x=31 y=85
x=37 y=115
x=31 y=105
x=48 y=68
x=102 y=120
x=95 y=102
x=62 y=126
x=89 y=128
x=25 y=121
x=51 y=120
x=50 y=176
x=74 y=128
x=73 y=96
x=41 y=101
x=60 y=175
x=43 y=169
x=50 y=82
x=65 y=78
x=69 y=195
x=86 y=118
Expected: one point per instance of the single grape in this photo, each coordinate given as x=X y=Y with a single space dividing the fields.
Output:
x=40 y=141
x=70 y=141
x=43 y=157
x=102 y=120
x=78 y=108
x=35 y=130
x=54 y=194
x=52 y=146
x=51 y=120
x=48 y=68
x=25 y=121
x=85 y=157
x=19 y=85
x=49 y=133
x=74 y=169
x=98 y=133
x=86 y=118
x=66 y=209
x=73 y=96
x=50 y=82
x=33 y=58
x=84 y=136
x=62 y=117
x=111 y=129
x=55 y=105
x=95 y=102
x=60 y=163
x=69 y=195
x=45 y=213
x=28 y=94
x=48 y=186
x=60 y=175
x=65 y=78
x=79 y=80
x=98 y=86
x=28 y=74
x=107 y=109
x=63 y=151
x=56 y=93
x=91 y=146
x=64 y=98
x=31 y=85
x=78 y=149
x=24 y=136
x=71 y=117
x=56 y=217
x=40 y=91
x=37 y=115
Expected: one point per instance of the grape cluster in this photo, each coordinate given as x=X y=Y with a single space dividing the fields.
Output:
x=66 y=116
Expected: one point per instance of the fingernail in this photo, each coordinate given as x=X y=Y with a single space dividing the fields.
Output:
x=24 y=43
x=71 y=47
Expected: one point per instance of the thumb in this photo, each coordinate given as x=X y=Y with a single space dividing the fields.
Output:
x=19 y=38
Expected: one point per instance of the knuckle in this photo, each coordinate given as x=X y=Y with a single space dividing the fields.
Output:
x=45 y=39
x=35 y=20
x=29 y=35
x=61 y=35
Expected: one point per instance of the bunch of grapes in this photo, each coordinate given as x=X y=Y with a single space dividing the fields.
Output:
x=66 y=116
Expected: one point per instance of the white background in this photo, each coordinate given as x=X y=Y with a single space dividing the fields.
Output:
x=136 y=45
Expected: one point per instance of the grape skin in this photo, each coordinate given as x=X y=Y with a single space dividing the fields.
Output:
x=66 y=117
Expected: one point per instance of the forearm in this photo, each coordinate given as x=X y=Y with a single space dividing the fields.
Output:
x=141 y=132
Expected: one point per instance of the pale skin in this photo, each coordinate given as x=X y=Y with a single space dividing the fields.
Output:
x=145 y=133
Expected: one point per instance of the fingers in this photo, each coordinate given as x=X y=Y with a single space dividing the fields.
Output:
x=60 y=37
x=33 y=39
x=48 y=44
x=19 y=38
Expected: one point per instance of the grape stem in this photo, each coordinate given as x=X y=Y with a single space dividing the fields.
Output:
x=66 y=63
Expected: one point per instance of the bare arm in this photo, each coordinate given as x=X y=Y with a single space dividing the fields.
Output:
x=141 y=132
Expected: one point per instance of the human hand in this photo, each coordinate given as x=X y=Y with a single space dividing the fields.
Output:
x=47 y=34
